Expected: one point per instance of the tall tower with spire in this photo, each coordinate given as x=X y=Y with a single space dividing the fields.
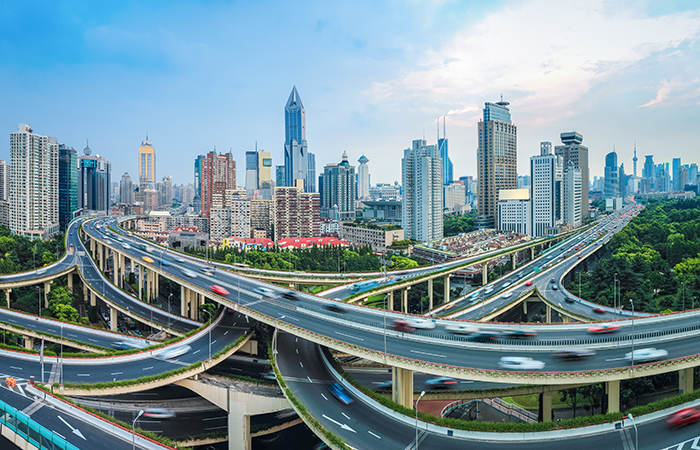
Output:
x=634 y=160
x=296 y=156
x=363 y=177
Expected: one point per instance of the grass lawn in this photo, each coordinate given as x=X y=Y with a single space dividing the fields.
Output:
x=532 y=401
x=376 y=300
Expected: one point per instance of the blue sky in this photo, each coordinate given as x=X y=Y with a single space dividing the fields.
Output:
x=373 y=76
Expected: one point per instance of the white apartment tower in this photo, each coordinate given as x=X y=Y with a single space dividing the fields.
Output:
x=4 y=181
x=33 y=184
x=545 y=178
x=514 y=210
x=421 y=176
x=363 y=178
x=572 y=203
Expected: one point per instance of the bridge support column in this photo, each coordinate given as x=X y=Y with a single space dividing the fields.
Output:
x=93 y=301
x=113 y=319
x=532 y=253
x=546 y=400
x=122 y=270
x=391 y=301
x=156 y=289
x=567 y=319
x=446 y=292
x=47 y=289
x=613 y=388
x=7 y=296
x=70 y=282
x=141 y=270
x=115 y=268
x=548 y=314
x=514 y=259
x=430 y=293
x=524 y=306
x=484 y=273
x=402 y=386
x=28 y=342
x=404 y=300
x=685 y=380
x=183 y=301
x=100 y=257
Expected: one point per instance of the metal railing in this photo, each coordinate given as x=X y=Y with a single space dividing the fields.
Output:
x=36 y=435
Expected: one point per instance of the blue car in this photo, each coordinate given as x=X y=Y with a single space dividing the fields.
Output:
x=340 y=393
x=164 y=262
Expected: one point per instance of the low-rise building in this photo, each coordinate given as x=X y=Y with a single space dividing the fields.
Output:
x=310 y=242
x=377 y=237
x=183 y=237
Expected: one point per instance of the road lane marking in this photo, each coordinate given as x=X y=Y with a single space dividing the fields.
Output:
x=309 y=379
x=342 y=425
x=349 y=336
x=324 y=397
x=297 y=351
x=615 y=359
x=302 y=365
x=226 y=333
x=83 y=374
x=194 y=353
x=216 y=428
x=214 y=342
x=117 y=373
x=215 y=418
x=16 y=368
x=375 y=435
x=147 y=368
x=429 y=354
x=346 y=416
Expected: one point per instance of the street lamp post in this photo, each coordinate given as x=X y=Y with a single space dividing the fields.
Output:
x=419 y=397
x=636 y=433
x=683 y=284
x=207 y=311
x=579 y=285
x=133 y=432
x=61 y=355
x=632 y=303
x=385 y=307
x=614 y=295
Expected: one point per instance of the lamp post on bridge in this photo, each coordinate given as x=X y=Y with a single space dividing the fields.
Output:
x=632 y=354
x=419 y=397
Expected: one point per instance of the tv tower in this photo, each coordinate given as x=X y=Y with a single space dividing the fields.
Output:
x=634 y=160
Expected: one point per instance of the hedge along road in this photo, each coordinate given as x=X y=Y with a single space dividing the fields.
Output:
x=364 y=327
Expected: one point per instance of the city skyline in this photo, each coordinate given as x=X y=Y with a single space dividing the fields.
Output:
x=124 y=71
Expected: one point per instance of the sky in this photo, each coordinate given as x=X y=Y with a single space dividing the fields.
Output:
x=373 y=76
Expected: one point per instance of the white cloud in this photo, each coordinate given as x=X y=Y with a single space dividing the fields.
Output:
x=542 y=55
x=673 y=93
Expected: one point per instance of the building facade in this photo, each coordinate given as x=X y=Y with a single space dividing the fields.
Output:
x=94 y=181
x=421 y=177
x=296 y=152
x=33 y=184
x=297 y=213
x=379 y=238
x=126 y=189
x=262 y=217
x=147 y=165
x=573 y=151
x=454 y=197
x=338 y=194
x=497 y=160
x=443 y=146
x=67 y=185
x=573 y=195
x=612 y=176
x=218 y=174
x=514 y=210
x=545 y=175
x=5 y=181
x=363 y=178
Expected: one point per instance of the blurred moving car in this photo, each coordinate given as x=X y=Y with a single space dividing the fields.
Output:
x=291 y=295
x=402 y=326
x=189 y=273
x=604 y=328
x=460 y=328
x=336 y=307
x=519 y=334
x=388 y=384
x=555 y=288
x=218 y=289
x=485 y=335
x=159 y=413
x=179 y=259
x=340 y=393
x=127 y=345
x=598 y=310
x=573 y=354
x=646 y=354
x=174 y=352
x=520 y=363
x=207 y=270
x=685 y=416
x=440 y=382
x=529 y=283
x=147 y=259
x=265 y=292
x=569 y=300
x=422 y=324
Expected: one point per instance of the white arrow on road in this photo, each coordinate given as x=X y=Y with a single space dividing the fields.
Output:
x=342 y=425
x=75 y=430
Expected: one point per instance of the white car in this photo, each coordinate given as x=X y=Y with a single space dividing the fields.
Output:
x=174 y=352
x=507 y=294
x=422 y=324
x=520 y=363
x=460 y=328
x=505 y=285
x=647 y=354
x=488 y=290
x=265 y=292
x=126 y=246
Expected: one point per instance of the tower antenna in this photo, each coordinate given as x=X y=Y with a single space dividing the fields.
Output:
x=444 y=133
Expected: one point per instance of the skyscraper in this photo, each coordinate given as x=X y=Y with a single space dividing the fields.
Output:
x=147 y=165
x=421 y=177
x=693 y=174
x=573 y=151
x=363 y=178
x=279 y=176
x=218 y=173
x=497 y=160
x=612 y=182
x=126 y=190
x=546 y=192
x=296 y=157
x=674 y=174
x=94 y=181
x=310 y=182
x=572 y=202
x=339 y=190
x=634 y=160
x=67 y=185
x=165 y=191
x=648 y=170
x=4 y=181
x=297 y=213
x=33 y=184
x=251 y=171
x=447 y=176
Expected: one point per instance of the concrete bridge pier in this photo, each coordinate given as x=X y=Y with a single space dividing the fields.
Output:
x=404 y=299
x=430 y=293
x=47 y=289
x=525 y=306
x=546 y=399
x=532 y=253
x=484 y=273
x=548 y=314
x=613 y=390
x=446 y=292
x=113 y=319
x=7 y=296
x=391 y=301
x=93 y=299
x=402 y=386
x=70 y=282
x=141 y=271
x=685 y=380
x=28 y=342
x=514 y=259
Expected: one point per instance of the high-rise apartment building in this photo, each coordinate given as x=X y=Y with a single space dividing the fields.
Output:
x=573 y=151
x=682 y=178
x=693 y=174
x=4 y=181
x=94 y=181
x=126 y=190
x=297 y=213
x=545 y=175
x=165 y=191
x=612 y=176
x=258 y=172
x=67 y=184
x=514 y=210
x=443 y=146
x=363 y=178
x=229 y=215
x=218 y=173
x=147 y=165
x=33 y=184
x=296 y=153
x=262 y=216
x=572 y=194
x=497 y=160
x=421 y=178
x=454 y=197
x=338 y=198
